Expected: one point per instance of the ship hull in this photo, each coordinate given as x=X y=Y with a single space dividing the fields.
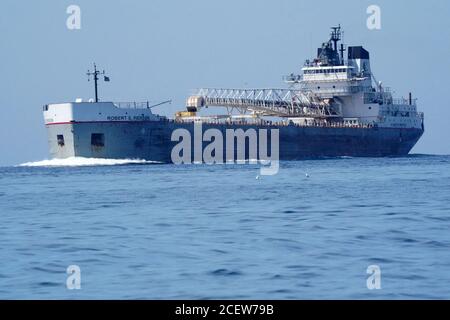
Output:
x=151 y=140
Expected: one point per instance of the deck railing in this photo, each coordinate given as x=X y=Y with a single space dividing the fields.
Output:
x=133 y=105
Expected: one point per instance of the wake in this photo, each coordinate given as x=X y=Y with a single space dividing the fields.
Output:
x=81 y=161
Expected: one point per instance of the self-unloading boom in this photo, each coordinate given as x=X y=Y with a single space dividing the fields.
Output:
x=265 y=102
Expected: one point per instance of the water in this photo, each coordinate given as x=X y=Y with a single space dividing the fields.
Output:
x=140 y=230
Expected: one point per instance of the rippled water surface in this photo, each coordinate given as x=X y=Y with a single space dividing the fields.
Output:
x=141 y=230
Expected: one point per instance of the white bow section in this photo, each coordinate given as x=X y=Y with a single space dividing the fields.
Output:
x=97 y=112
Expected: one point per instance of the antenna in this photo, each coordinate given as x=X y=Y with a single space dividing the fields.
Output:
x=95 y=75
x=343 y=46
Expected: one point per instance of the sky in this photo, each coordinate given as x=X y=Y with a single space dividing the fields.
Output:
x=163 y=49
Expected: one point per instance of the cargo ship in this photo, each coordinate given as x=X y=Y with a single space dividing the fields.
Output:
x=334 y=107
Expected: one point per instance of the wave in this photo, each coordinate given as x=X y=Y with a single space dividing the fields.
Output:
x=81 y=161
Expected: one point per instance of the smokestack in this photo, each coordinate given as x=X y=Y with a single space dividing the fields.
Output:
x=410 y=99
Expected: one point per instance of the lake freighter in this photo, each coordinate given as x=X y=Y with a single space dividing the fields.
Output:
x=334 y=108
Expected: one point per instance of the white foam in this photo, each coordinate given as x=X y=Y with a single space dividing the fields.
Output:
x=81 y=161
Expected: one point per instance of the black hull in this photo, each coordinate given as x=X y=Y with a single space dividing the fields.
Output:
x=152 y=140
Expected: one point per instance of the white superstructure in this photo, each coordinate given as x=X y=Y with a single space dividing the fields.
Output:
x=74 y=112
x=352 y=89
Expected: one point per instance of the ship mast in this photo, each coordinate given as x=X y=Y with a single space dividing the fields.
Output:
x=336 y=36
x=95 y=75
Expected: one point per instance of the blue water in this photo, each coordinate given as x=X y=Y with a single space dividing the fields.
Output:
x=197 y=231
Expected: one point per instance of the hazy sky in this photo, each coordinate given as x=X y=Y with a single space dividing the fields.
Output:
x=157 y=50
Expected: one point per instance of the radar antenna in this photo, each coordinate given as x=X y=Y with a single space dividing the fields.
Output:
x=95 y=75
